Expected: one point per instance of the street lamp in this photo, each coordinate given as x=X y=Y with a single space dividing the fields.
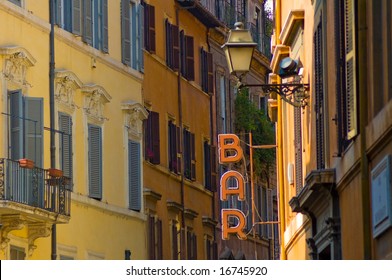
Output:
x=239 y=50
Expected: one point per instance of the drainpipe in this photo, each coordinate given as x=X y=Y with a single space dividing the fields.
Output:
x=363 y=119
x=51 y=104
x=281 y=213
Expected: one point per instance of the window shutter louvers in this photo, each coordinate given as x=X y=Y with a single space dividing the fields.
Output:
x=87 y=23
x=159 y=241
x=178 y=148
x=351 y=69
x=76 y=17
x=298 y=148
x=193 y=156
x=66 y=163
x=95 y=161
x=151 y=233
x=168 y=43
x=155 y=138
x=175 y=32
x=34 y=129
x=16 y=124
x=134 y=175
x=210 y=71
x=174 y=242
x=190 y=63
x=213 y=169
x=207 y=165
x=140 y=36
x=125 y=32
x=105 y=35
x=58 y=15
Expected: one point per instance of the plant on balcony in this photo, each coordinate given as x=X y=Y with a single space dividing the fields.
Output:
x=26 y=163
x=248 y=118
x=53 y=172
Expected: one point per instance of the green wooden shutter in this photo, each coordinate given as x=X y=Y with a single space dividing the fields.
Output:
x=66 y=163
x=134 y=175
x=140 y=37
x=125 y=32
x=95 y=161
x=58 y=12
x=351 y=69
x=87 y=22
x=16 y=124
x=34 y=129
x=105 y=29
x=76 y=17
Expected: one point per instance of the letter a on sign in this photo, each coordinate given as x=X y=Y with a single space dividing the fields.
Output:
x=239 y=190
x=230 y=150
x=238 y=229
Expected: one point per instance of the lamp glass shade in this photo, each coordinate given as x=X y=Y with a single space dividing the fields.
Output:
x=239 y=58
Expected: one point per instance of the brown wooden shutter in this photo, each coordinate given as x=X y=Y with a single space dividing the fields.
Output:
x=207 y=165
x=172 y=147
x=168 y=42
x=190 y=60
x=178 y=148
x=175 y=47
x=174 y=241
x=155 y=138
x=151 y=237
x=352 y=130
x=193 y=156
x=151 y=29
x=298 y=148
x=213 y=169
x=210 y=70
x=159 y=241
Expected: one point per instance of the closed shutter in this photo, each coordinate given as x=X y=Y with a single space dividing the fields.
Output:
x=319 y=94
x=298 y=148
x=193 y=156
x=151 y=29
x=208 y=249
x=194 y=247
x=66 y=163
x=178 y=148
x=175 y=47
x=159 y=240
x=351 y=69
x=210 y=71
x=95 y=161
x=203 y=69
x=58 y=12
x=125 y=32
x=151 y=235
x=16 y=124
x=207 y=165
x=134 y=175
x=140 y=30
x=168 y=42
x=76 y=17
x=213 y=169
x=87 y=22
x=34 y=129
x=105 y=29
x=172 y=147
x=155 y=138
x=183 y=53
x=134 y=43
x=174 y=241
x=190 y=63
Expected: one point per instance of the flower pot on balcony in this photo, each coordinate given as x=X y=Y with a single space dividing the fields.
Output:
x=53 y=172
x=26 y=163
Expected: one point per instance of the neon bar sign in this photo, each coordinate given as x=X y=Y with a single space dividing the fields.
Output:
x=230 y=151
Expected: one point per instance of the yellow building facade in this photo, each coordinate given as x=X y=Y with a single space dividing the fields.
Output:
x=96 y=202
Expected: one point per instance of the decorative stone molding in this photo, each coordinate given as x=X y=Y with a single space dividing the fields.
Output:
x=208 y=222
x=16 y=62
x=9 y=223
x=66 y=83
x=95 y=99
x=190 y=214
x=135 y=114
x=37 y=231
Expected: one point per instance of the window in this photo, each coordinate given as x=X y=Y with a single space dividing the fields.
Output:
x=17 y=253
x=68 y=15
x=131 y=32
x=210 y=166
x=134 y=175
x=211 y=248
x=187 y=56
x=155 y=238
x=16 y=2
x=207 y=74
x=95 y=161
x=189 y=155
x=174 y=148
x=152 y=140
x=319 y=93
x=172 y=45
x=26 y=127
x=65 y=147
x=175 y=239
x=191 y=244
x=149 y=28
x=95 y=23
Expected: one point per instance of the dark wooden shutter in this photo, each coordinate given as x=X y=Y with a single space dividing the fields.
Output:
x=16 y=124
x=298 y=148
x=174 y=241
x=151 y=237
x=87 y=23
x=190 y=61
x=203 y=69
x=159 y=240
x=178 y=148
x=134 y=175
x=95 y=161
x=210 y=71
x=213 y=169
x=76 y=17
x=175 y=47
x=351 y=69
x=168 y=43
x=155 y=138
x=66 y=163
x=207 y=165
x=183 y=53
x=193 y=156
x=319 y=94
x=189 y=245
x=34 y=129
x=151 y=28
x=105 y=28
x=125 y=32
x=173 y=164
x=208 y=249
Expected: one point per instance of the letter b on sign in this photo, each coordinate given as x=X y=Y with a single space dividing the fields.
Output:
x=230 y=150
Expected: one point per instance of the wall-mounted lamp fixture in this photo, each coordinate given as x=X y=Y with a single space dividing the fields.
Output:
x=239 y=50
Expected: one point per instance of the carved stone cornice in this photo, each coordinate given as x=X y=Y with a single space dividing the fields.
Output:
x=66 y=83
x=10 y=223
x=95 y=99
x=135 y=114
x=36 y=231
x=208 y=222
x=190 y=214
x=16 y=62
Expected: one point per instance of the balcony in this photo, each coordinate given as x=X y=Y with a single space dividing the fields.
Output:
x=263 y=41
x=32 y=197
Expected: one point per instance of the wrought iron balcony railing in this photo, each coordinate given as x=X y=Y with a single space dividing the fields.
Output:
x=34 y=187
x=263 y=41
